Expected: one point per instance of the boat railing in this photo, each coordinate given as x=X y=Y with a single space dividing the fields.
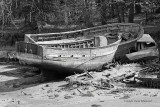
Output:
x=135 y=29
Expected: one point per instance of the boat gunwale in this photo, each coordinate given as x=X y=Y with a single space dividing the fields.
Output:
x=140 y=32
x=81 y=30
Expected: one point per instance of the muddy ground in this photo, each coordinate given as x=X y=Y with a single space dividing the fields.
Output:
x=22 y=86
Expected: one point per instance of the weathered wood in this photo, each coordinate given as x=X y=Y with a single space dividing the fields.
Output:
x=76 y=57
x=149 y=53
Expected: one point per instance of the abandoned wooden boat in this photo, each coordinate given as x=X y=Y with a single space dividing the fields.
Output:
x=72 y=55
x=145 y=49
x=84 y=49
x=131 y=32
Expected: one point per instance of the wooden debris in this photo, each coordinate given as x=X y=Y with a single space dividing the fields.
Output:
x=88 y=74
x=108 y=66
x=105 y=79
x=25 y=93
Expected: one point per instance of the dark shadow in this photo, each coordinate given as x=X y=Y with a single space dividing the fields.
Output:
x=27 y=78
x=21 y=83
x=24 y=77
x=55 y=74
x=19 y=71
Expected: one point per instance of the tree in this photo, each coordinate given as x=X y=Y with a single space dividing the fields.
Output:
x=120 y=11
x=102 y=6
x=87 y=15
x=131 y=12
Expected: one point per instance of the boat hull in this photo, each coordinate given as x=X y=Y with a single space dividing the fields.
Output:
x=78 y=65
x=66 y=64
x=142 y=55
x=123 y=48
x=70 y=60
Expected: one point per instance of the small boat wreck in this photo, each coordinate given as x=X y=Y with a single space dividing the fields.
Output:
x=131 y=32
x=79 y=50
x=145 y=49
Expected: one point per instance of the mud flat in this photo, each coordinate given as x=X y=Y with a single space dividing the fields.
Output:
x=22 y=86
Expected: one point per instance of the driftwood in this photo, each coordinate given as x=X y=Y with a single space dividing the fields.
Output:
x=98 y=81
x=105 y=79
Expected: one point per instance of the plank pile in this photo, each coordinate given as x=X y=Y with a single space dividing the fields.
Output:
x=105 y=79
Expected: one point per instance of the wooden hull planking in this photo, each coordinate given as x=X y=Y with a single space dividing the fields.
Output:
x=78 y=59
x=142 y=55
x=77 y=65
x=145 y=54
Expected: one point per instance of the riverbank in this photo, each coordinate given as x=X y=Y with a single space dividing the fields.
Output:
x=22 y=86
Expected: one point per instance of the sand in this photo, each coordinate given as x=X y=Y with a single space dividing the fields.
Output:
x=20 y=87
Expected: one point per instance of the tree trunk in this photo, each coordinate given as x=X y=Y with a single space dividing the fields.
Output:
x=66 y=15
x=41 y=3
x=146 y=14
x=103 y=12
x=102 y=7
x=131 y=13
x=112 y=10
x=87 y=15
x=120 y=12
